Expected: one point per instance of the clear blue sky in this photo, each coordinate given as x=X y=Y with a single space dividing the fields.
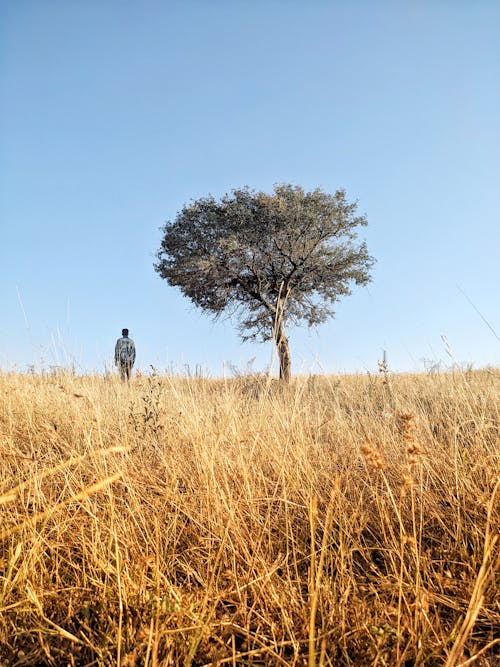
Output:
x=114 y=114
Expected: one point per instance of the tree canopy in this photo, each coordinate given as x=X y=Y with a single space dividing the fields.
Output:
x=270 y=260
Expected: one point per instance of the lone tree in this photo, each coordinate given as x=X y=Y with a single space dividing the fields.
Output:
x=270 y=260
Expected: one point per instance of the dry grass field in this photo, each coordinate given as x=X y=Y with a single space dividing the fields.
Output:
x=176 y=521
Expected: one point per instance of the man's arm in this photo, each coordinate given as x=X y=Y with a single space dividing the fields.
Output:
x=133 y=352
x=117 y=352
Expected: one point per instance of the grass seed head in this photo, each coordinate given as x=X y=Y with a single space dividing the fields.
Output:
x=372 y=456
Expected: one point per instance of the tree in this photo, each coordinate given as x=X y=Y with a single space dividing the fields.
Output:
x=270 y=260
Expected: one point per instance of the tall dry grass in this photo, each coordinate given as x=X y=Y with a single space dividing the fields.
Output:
x=342 y=521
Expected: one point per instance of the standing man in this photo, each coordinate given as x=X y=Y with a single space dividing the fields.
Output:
x=125 y=355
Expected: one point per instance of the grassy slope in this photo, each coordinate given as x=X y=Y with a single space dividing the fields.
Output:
x=191 y=522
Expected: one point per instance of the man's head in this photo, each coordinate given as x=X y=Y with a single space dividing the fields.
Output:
x=124 y=332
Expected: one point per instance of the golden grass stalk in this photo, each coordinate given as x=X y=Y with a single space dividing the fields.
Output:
x=182 y=521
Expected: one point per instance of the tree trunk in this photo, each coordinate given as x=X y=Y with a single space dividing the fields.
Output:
x=283 y=354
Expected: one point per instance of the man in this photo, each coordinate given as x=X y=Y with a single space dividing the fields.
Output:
x=125 y=355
